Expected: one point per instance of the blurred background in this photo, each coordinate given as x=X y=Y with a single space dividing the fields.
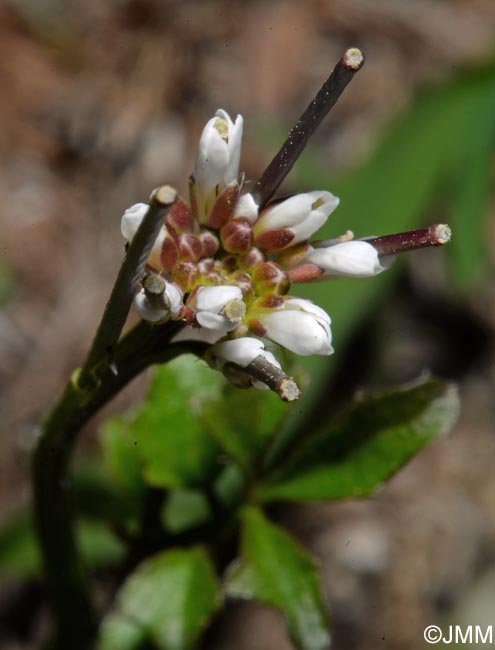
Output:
x=103 y=101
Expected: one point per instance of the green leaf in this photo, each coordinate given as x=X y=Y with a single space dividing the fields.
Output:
x=184 y=509
x=166 y=602
x=171 y=444
x=120 y=457
x=19 y=551
x=276 y=571
x=244 y=422
x=366 y=447
x=468 y=194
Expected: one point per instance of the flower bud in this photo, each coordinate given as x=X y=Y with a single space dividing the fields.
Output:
x=209 y=243
x=218 y=308
x=190 y=248
x=223 y=208
x=169 y=250
x=237 y=236
x=242 y=280
x=269 y=278
x=217 y=162
x=356 y=259
x=293 y=220
x=179 y=217
x=251 y=259
x=300 y=326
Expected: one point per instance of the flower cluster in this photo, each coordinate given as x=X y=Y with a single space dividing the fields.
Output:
x=229 y=266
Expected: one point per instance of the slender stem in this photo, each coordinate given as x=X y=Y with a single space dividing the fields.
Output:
x=275 y=378
x=124 y=290
x=65 y=577
x=402 y=242
x=109 y=366
x=351 y=61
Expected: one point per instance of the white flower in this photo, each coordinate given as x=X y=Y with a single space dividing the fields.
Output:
x=242 y=352
x=293 y=220
x=218 y=308
x=355 y=258
x=152 y=314
x=217 y=162
x=246 y=207
x=147 y=311
x=131 y=220
x=300 y=326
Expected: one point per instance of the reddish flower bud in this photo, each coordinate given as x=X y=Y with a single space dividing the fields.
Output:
x=186 y=276
x=269 y=301
x=206 y=266
x=243 y=281
x=274 y=240
x=269 y=278
x=190 y=248
x=305 y=273
x=237 y=236
x=209 y=243
x=179 y=217
x=169 y=254
x=251 y=259
x=224 y=206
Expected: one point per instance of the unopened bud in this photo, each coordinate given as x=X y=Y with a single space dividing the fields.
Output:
x=190 y=248
x=237 y=236
x=268 y=278
x=209 y=243
x=179 y=217
x=223 y=208
x=186 y=276
x=243 y=280
x=169 y=252
x=251 y=259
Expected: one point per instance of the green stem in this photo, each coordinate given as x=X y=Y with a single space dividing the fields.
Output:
x=66 y=580
x=109 y=366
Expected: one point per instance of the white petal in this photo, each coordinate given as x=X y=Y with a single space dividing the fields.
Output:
x=246 y=207
x=299 y=332
x=356 y=259
x=213 y=299
x=329 y=201
x=240 y=351
x=301 y=213
x=234 y=145
x=175 y=297
x=215 y=322
x=301 y=304
x=131 y=220
x=204 y=335
x=286 y=214
x=243 y=351
x=146 y=311
x=212 y=158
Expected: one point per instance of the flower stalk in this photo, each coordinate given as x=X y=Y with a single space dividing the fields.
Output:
x=273 y=176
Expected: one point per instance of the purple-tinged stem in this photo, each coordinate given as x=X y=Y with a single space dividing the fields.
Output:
x=271 y=179
x=436 y=235
x=275 y=378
